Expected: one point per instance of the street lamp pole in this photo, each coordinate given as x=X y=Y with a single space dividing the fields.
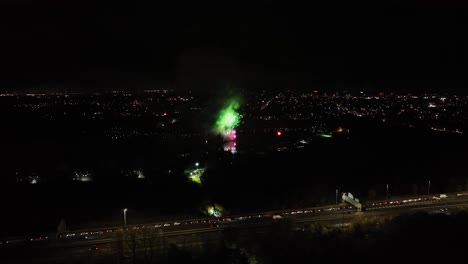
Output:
x=429 y=187
x=386 y=194
x=125 y=216
x=336 y=199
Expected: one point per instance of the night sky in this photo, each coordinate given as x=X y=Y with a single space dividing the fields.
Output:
x=401 y=45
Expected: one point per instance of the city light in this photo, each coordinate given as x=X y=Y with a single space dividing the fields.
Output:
x=82 y=176
x=140 y=174
x=230 y=146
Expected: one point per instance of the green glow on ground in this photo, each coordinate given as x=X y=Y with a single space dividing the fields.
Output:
x=195 y=179
x=195 y=174
x=216 y=210
x=228 y=118
x=326 y=136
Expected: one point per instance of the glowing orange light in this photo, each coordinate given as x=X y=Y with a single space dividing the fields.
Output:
x=279 y=133
x=339 y=130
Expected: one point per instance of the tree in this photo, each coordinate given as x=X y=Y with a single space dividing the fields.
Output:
x=131 y=239
x=150 y=238
x=119 y=245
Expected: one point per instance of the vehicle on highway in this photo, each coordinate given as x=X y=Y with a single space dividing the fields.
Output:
x=40 y=238
x=14 y=241
x=440 y=196
x=67 y=235
x=277 y=217
x=93 y=248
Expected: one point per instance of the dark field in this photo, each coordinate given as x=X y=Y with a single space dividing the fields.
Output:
x=257 y=178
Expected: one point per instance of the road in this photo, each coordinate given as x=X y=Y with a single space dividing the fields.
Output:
x=206 y=233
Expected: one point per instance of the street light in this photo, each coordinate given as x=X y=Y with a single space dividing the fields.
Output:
x=197 y=164
x=125 y=216
x=386 y=194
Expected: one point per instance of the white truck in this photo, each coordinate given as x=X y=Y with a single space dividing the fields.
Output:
x=440 y=196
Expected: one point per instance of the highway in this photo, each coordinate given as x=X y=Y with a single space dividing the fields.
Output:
x=202 y=233
x=312 y=214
